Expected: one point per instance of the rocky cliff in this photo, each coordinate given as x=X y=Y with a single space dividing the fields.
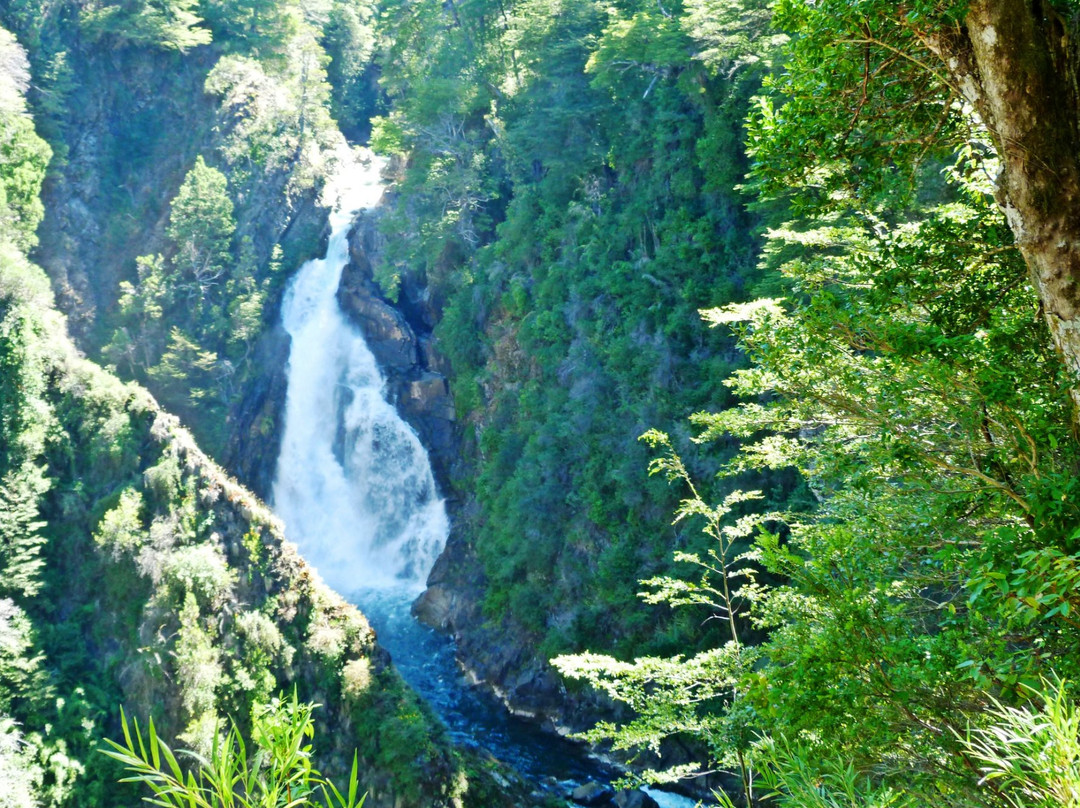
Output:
x=185 y=597
x=127 y=121
x=408 y=355
x=399 y=333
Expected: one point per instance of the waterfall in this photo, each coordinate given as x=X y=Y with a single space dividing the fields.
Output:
x=357 y=495
x=354 y=485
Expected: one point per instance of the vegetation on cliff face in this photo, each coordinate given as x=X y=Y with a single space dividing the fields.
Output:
x=192 y=142
x=879 y=228
x=134 y=571
x=894 y=631
x=921 y=649
x=569 y=201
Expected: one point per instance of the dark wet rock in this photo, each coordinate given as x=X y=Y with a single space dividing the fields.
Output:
x=418 y=302
x=257 y=422
x=385 y=329
x=407 y=354
x=593 y=794
x=432 y=357
x=635 y=798
x=445 y=606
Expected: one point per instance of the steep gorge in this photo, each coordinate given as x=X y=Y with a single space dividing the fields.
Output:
x=163 y=584
x=169 y=588
x=770 y=232
x=563 y=207
x=542 y=353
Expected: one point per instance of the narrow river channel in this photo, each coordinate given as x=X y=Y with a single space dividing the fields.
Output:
x=357 y=494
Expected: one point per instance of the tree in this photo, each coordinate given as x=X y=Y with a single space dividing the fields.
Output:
x=168 y=24
x=350 y=43
x=915 y=79
x=266 y=26
x=24 y=157
x=1013 y=62
x=906 y=373
x=702 y=697
x=186 y=369
x=201 y=226
x=138 y=342
x=279 y=771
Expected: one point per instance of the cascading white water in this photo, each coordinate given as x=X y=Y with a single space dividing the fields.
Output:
x=356 y=491
x=354 y=485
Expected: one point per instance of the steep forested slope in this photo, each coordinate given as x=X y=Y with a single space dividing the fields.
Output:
x=566 y=207
x=568 y=190
x=921 y=647
x=190 y=153
x=136 y=572
x=873 y=203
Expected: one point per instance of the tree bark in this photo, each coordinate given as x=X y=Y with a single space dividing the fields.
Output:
x=1016 y=64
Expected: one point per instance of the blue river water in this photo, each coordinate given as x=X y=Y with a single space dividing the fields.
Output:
x=355 y=489
x=475 y=720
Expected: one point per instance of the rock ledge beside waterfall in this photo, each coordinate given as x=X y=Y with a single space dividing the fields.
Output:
x=406 y=352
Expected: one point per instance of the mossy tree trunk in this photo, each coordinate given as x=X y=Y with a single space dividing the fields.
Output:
x=1015 y=61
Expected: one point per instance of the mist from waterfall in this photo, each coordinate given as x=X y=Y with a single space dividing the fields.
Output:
x=354 y=485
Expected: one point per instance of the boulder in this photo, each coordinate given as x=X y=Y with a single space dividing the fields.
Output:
x=635 y=798
x=429 y=394
x=592 y=793
x=436 y=607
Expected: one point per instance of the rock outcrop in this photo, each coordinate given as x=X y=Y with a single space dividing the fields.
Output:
x=257 y=422
x=592 y=794
x=635 y=798
x=408 y=356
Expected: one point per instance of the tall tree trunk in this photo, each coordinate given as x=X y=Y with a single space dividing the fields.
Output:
x=1016 y=64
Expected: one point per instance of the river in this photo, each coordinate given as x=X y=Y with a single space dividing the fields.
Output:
x=356 y=492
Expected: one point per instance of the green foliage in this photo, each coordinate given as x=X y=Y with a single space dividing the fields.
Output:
x=24 y=156
x=209 y=297
x=201 y=227
x=691 y=699
x=263 y=26
x=795 y=779
x=18 y=771
x=568 y=201
x=1030 y=755
x=350 y=44
x=889 y=111
x=167 y=24
x=278 y=771
x=702 y=698
x=20 y=531
x=274 y=119
x=901 y=366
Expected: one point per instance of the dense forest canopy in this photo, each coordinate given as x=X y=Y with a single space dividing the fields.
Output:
x=822 y=256
x=135 y=571
x=918 y=371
